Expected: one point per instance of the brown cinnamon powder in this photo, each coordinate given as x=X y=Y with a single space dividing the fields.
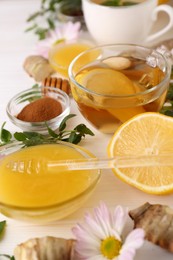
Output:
x=40 y=110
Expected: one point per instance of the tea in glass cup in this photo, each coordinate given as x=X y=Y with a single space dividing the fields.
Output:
x=113 y=83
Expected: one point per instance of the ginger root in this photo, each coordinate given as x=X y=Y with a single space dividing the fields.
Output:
x=157 y=221
x=37 y=67
x=45 y=248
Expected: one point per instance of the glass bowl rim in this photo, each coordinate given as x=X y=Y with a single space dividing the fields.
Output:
x=57 y=205
x=33 y=124
x=147 y=91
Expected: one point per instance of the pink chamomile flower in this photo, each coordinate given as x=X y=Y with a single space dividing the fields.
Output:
x=64 y=32
x=99 y=238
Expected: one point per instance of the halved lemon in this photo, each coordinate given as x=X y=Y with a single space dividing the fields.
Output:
x=145 y=134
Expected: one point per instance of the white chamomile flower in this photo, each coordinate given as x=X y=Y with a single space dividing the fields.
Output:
x=99 y=238
x=64 y=32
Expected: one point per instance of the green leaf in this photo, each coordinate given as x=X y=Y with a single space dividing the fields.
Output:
x=8 y=256
x=47 y=11
x=118 y=3
x=33 y=16
x=170 y=92
x=128 y=3
x=29 y=138
x=30 y=135
x=51 y=24
x=172 y=73
x=5 y=135
x=35 y=138
x=53 y=4
x=167 y=108
x=111 y=3
x=19 y=136
x=43 y=2
x=51 y=132
x=169 y=113
x=81 y=128
x=2 y=226
x=41 y=32
x=74 y=138
x=63 y=123
x=34 y=26
x=33 y=141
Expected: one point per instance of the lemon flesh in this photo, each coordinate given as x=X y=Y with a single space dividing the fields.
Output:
x=145 y=134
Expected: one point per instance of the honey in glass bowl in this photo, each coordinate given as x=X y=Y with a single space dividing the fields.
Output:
x=61 y=55
x=121 y=82
x=30 y=191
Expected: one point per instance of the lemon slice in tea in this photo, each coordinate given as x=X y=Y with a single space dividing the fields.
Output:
x=106 y=81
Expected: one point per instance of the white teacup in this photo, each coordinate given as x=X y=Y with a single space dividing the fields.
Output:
x=125 y=24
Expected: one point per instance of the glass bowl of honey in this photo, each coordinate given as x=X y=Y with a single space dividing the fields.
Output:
x=32 y=191
x=34 y=109
x=113 y=83
x=61 y=54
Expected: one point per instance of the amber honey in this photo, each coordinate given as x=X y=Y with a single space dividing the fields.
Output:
x=61 y=55
x=107 y=96
x=34 y=186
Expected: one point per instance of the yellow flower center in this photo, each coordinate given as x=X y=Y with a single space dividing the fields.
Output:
x=110 y=247
x=58 y=41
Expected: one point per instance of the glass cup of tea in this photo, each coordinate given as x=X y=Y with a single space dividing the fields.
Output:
x=113 y=83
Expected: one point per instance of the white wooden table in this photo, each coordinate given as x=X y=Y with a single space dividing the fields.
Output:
x=15 y=45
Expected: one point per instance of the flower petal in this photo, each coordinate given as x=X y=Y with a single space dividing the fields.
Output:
x=84 y=234
x=67 y=31
x=71 y=31
x=126 y=255
x=42 y=48
x=102 y=216
x=96 y=228
x=87 y=247
x=97 y=257
x=135 y=239
x=86 y=252
x=119 y=218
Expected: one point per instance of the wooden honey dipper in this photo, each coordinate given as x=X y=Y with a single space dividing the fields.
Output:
x=60 y=83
